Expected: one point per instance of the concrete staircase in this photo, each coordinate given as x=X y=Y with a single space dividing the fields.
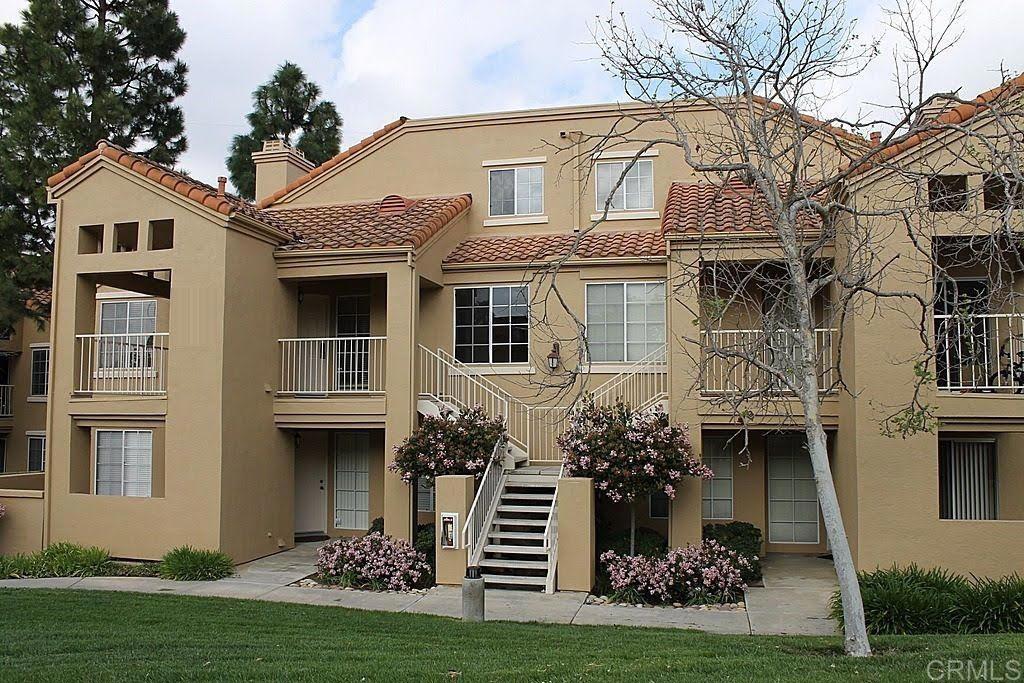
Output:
x=517 y=552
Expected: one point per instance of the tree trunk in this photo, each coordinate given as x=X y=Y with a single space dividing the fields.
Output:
x=632 y=527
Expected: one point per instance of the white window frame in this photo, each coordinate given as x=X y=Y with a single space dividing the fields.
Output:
x=357 y=438
x=623 y=164
x=129 y=301
x=425 y=493
x=963 y=505
x=490 y=324
x=515 y=191
x=37 y=437
x=96 y=462
x=626 y=360
x=794 y=499
x=707 y=493
x=34 y=349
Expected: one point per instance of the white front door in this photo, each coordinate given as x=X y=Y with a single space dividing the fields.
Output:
x=352 y=480
x=792 y=496
x=310 y=493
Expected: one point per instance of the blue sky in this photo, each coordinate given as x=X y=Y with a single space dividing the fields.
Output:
x=378 y=59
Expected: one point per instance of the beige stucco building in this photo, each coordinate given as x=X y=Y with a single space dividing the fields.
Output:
x=235 y=375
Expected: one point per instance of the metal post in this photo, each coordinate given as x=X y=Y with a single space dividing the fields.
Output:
x=473 y=595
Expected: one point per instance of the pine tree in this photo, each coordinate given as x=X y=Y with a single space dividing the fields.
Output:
x=71 y=73
x=286 y=105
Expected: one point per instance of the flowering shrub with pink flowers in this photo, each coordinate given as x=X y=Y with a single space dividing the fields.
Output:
x=3 y=510
x=701 y=574
x=628 y=454
x=374 y=561
x=449 y=444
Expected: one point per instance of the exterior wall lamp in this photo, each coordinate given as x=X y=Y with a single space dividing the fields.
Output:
x=555 y=357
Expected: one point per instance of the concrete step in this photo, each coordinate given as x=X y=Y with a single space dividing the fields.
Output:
x=516 y=549
x=517 y=535
x=515 y=580
x=505 y=521
x=514 y=564
x=544 y=497
x=517 y=479
x=537 y=509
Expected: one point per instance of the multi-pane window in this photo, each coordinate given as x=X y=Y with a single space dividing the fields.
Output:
x=967 y=480
x=792 y=494
x=517 y=191
x=716 y=497
x=40 y=383
x=625 y=320
x=1002 y=191
x=131 y=325
x=636 y=191
x=947 y=193
x=492 y=324
x=124 y=462
x=352 y=480
x=424 y=495
x=36 y=453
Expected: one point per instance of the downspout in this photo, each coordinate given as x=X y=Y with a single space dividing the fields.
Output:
x=48 y=471
x=575 y=136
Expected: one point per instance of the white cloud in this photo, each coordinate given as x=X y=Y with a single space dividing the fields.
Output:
x=378 y=59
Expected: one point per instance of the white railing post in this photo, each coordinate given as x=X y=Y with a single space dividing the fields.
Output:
x=980 y=352
x=6 y=406
x=132 y=363
x=475 y=529
x=332 y=365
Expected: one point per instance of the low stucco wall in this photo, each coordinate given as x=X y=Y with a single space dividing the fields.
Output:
x=24 y=481
x=21 y=529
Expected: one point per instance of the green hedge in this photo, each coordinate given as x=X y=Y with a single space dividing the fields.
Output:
x=186 y=563
x=742 y=537
x=910 y=600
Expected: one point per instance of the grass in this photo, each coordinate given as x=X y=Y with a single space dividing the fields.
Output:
x=83 y=635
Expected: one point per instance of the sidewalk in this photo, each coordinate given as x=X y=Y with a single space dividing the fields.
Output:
x=792 y=601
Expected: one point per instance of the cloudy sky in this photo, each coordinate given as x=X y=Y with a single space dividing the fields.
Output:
x=378 y=59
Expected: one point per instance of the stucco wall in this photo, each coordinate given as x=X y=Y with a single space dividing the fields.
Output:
x=21 y=529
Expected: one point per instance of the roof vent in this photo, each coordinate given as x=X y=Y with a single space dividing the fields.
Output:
x=392 y=204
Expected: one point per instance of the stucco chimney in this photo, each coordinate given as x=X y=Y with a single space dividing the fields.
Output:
x=277 y=165
x=222 y=185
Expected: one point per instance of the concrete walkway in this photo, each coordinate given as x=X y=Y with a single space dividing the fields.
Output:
x=785 y=605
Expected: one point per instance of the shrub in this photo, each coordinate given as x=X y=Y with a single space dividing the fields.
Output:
x=695 y=575
x=426 y=543
x=744 y=538
x=910 y=600
x=376 y=526
x=648 y=543
x=373 y=561
x=186 y=563
x=449 y=444
x=59 y=559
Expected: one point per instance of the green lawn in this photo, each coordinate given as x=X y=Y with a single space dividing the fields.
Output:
x=77 y=635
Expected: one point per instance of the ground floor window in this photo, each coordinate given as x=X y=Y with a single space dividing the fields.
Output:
x=424 y=495
x=792 y=495
x=967 y=479
x=352 y=480
x=124 y=462
x=36 y=452
x=716 y=495
x=658 y=505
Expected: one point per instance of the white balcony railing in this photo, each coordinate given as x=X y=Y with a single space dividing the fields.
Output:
x=980 y=352
x=6 y=406
x=727 y=368
x=122 y=363
x=332 y=365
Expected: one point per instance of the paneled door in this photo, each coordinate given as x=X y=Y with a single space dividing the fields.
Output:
x=792 y=496
x=311 y=493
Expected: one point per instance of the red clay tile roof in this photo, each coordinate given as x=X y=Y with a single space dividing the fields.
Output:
x=538 y=248
x=390 y=222
x=331 y=163
x=200 y=192
x=41 y=298
x=704 y=208
x=815 y=123
x=950 y=117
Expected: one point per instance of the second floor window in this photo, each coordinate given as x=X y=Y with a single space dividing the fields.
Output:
x=625 y=320
x=492 y=324
x=40 y=381
x=636 y=193
x=517 y=191
x=947 y=193
x=131 y=324
x=1001 y=192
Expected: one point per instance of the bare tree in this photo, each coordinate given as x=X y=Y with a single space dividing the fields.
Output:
x=757 y=69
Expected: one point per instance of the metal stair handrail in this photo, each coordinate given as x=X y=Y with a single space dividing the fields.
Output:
x=482 y=511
